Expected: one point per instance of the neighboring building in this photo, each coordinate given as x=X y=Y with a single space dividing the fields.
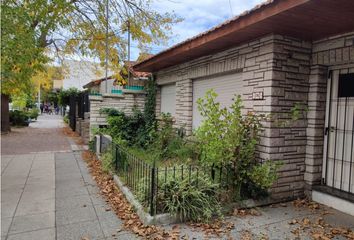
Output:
x=57 y=84
x=80 y=73
x=111 y=94
x=276 y=55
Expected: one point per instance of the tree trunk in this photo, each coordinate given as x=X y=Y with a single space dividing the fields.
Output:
x=5 y=116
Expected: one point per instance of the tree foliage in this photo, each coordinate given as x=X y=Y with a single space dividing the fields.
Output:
x=32 y=30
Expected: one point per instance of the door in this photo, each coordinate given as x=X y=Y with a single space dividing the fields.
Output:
x=338 y=164
x=168 y=99
x=225 y=86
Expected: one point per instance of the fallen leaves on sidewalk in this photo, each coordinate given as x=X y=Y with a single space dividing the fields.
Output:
x=300 y=203
x=246 y=212
x=121 y=206
x=217 y=228
x=70 y=133
x=319 y=230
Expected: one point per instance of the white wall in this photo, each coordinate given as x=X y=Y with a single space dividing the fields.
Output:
x=81 y=73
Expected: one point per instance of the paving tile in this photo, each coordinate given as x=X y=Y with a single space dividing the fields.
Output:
x=32 y=222
x=66 y=192
x=74 y=215
x=110 y=223
x=33 y=206
x=77 y=231
x=8 y=209
x=43 y=234
x=97 y=199
x=39 y=194
x=123 y=236
x=73 y=202
x=11 y=195
x=5 y=225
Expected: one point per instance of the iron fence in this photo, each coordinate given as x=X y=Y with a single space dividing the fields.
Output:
x=148 y=182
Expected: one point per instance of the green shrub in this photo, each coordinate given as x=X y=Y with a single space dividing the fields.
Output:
x=33 y=113
x=194 y=199
x=19 y=118
x=107 y=161
x=228 y=137
x=66 y=119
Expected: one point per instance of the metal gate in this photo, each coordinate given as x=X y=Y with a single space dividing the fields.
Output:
x=338 y=164
x=72 y=112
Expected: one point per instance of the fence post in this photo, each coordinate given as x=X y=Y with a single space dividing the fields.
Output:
x=152 y=196
x=116 y=156
x=100 y=144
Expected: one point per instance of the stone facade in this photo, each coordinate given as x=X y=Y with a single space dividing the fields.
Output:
x=125 y=102
x=290 y=72
x=327 y=54
x=83 y=127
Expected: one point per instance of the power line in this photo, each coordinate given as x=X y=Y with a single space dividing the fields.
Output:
x=232 y=13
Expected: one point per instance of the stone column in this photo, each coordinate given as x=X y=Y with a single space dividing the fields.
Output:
x=315 y=128
x=184 y=105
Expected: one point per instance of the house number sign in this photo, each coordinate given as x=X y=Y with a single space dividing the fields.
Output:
x=257 y=96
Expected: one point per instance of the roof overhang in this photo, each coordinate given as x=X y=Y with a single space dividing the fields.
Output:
x=304 y=19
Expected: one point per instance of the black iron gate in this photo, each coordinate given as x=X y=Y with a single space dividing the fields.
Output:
x=72 y=112
x=83 y=104
x=339 y=132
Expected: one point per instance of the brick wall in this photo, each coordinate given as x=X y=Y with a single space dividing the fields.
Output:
x=125 y=102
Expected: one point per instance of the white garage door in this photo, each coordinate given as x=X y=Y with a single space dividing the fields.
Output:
x=168 y=99
x=225 y=86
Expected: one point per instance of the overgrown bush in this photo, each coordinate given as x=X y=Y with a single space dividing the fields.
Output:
x=66 y=119
x=124 y=127
x=19 y=118
x=194 y=199
x=227 y=137
x=33 y=113
x=107 y=161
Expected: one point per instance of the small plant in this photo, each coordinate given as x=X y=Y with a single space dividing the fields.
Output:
x=19 y=118
x=193 y=198
x=107 y=161
x=228 y=137
x=66 y=119
x=33 y=113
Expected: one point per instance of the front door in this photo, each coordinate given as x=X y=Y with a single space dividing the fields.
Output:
x=338 y=164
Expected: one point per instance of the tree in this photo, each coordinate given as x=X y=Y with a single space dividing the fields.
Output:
x=37 y=31
x=62 y=27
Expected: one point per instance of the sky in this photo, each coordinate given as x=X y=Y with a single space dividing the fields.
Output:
x=198 y=15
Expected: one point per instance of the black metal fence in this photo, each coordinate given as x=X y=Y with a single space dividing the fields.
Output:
x=148 y=182
x=79 y=105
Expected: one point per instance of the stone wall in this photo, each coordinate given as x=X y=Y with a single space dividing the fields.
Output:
x=332 y=53
x=125 y=102
x=290 y=72
x=278 y=67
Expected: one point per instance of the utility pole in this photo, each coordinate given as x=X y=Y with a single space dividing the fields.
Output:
x=128 y=52
x=106 y=60
x=39 y=97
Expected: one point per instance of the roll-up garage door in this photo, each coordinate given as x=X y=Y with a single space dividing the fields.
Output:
x=225 y=86
x=168 y=99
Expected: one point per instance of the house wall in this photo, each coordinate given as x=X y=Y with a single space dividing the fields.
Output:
x=125 y=102
x=290 y=72
x=327 y=54
x=275 y=65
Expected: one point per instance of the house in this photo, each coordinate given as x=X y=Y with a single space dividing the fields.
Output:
x=124 y=94
x=277 y=55
x=80 y=73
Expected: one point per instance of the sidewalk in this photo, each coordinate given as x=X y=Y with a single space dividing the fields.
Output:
x=47 y=191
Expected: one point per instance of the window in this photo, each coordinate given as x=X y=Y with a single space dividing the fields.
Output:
x=346 y=85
